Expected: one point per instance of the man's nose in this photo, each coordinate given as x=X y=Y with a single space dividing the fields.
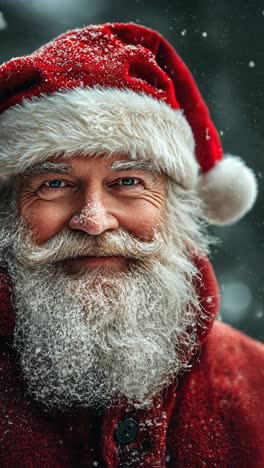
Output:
x=94 y=218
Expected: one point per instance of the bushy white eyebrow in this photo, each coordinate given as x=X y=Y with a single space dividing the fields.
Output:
x=134 y=166
x=47 y=167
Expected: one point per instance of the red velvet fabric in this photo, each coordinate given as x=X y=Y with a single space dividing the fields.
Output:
x=212 y=416
x=118 y=56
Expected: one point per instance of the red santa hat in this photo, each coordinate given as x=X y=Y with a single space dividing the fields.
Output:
x=114 y=89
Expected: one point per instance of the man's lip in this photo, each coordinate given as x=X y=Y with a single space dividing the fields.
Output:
x=101 y=260
x=97 y=256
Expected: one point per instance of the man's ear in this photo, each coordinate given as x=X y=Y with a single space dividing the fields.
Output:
x=207 y=287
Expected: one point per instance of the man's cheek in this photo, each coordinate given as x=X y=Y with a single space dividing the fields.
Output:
x=45 y=222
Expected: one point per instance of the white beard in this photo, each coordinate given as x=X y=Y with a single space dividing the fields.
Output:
x=89 y=340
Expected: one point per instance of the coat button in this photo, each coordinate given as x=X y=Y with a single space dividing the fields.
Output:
x=126 y=431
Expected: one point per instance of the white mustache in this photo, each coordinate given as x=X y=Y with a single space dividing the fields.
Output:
x=69 y=244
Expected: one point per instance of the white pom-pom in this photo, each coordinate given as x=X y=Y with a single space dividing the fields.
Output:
x=228 y=191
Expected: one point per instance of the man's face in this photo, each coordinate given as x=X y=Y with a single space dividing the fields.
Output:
x=93 y=195
x=123 y=326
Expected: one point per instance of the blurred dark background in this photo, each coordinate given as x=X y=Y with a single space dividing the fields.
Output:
x=222 y=43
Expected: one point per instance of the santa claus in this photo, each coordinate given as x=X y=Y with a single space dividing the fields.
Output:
x=110 y=170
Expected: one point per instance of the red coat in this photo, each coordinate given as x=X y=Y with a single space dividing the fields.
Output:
x=213 y=417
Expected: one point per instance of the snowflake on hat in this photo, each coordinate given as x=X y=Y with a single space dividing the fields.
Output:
x=118 y=88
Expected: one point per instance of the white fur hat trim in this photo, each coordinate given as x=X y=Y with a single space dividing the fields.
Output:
x=92 y=121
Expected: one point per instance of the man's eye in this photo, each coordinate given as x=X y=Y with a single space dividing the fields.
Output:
x=55 y=184
x=54 y=188
x=128 y=182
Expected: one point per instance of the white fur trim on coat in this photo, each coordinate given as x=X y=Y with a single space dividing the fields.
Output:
x=228 y=191
x=90 y=121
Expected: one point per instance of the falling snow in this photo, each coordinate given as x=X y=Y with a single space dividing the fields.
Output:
x=207 y=136
x=183 y=32
x=251 y=64
x=3 y=23
x=204 y=34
